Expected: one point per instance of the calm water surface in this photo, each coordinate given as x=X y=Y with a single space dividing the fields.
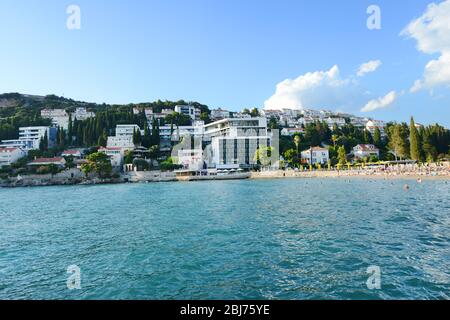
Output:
x=274 y=239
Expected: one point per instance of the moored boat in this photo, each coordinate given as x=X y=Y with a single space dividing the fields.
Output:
x=199 y=175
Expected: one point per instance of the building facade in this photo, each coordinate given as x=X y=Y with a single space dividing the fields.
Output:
x=191 y=111
x=234 y=142
x=59 y=117
x=362 y=151
x=372 y=125
x=82 y=114
x=9 y=156
x=315 y=155
x=115 y=154
x=30 y=138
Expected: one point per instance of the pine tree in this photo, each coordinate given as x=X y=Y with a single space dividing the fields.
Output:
x=398 y=141
x=367 y=137
x=377 y=137
x=342 y=156
x=429 y=146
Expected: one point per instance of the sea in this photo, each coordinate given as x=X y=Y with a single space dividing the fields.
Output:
x=294 y=239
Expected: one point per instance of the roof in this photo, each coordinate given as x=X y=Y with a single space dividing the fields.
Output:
x=367 y=147
x=48 y=160
x=8 y=149
x=109 y=148
x=317 y=149
x=71 y=152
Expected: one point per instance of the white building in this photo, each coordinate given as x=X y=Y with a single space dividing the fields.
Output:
x=82 y=114
x=120 y=142
x=25 y=145
x=312 y=113
x=315 y=155
x=358 y=121
x=10 y=155
x=288 y=121
x=124 y=136
x=127 y=130
x=192 y=112
x=59 y=117
x=30 y=138
x=291 y=131
x=362 y=151
x=219 y=114
x=115 y=154
x=331 y=121
x=75 y=153
x=371 y=125
x=191 y=159
x=234 y=141
x=150 y=115
x=174 y=133
x=241 y=115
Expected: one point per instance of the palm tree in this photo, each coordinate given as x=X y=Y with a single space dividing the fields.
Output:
x=334 y=138
x=297 y=143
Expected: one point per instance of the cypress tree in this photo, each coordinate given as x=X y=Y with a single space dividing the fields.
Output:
x=58 y=136
x=70 y=130
x=147 y=136
x=414 y=141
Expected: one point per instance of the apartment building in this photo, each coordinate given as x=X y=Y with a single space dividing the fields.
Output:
x=10 y=155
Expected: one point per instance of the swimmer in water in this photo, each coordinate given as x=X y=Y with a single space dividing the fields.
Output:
x=406 y=187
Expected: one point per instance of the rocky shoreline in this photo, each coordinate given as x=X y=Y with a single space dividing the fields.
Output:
x=74 y=177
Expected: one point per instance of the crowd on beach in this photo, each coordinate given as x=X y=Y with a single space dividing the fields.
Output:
x=441 y=170
x=428 y=169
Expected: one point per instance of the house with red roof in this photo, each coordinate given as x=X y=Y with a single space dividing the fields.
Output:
x=362 y=151
x=57 y=161
x=75 y=153
x=315 y=155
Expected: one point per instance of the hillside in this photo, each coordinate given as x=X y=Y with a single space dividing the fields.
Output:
x=11 y=102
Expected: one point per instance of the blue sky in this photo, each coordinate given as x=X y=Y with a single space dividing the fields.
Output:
x=224 y=53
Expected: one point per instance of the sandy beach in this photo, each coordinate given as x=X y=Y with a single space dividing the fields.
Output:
x=413 y=172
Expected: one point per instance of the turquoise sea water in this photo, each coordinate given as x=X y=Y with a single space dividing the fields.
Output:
x=271 y=239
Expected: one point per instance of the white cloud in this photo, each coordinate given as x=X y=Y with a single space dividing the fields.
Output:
x=417 y=86
x=380 y=103
x=368 y=67
x=432 y=33
x=313 y=89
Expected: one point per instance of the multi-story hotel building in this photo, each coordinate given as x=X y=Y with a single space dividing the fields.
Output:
x=234 y=142
x=30 y=137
